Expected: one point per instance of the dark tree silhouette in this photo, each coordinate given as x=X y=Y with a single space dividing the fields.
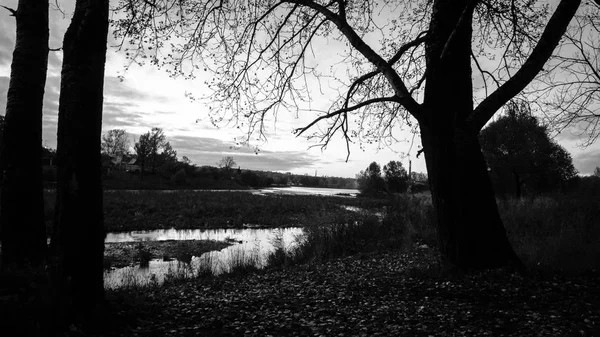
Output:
x=396 y=177
x=78 y=239
x=157 y=142
x=520 y=154
x=370 y=181
x=413 y=65
x=153 y=148
x=143 y=150
x=22 y=228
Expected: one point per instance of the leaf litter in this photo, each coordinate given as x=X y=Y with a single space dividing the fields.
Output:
x=383 y=294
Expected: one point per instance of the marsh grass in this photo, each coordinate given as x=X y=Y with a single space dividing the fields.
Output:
x=401 y=222
x=143 y=255
x=557 y=232
x=147 y=210
x=241 y=262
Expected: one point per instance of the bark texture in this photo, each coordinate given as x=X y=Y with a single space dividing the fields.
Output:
x=78 y=238
x=22 y=207
x=470 y=230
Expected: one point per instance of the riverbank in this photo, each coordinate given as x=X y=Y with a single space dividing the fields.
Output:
x=384 y=294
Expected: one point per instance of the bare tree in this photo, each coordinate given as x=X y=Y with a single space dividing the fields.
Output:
x=226 y=163
x=400 y=62
x=115 y=142
x=22 y=233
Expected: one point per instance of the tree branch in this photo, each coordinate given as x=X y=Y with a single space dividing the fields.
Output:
x=414 y=43
x=300 y=131
x=12 y=11
x=555 y=29
x=381 y=64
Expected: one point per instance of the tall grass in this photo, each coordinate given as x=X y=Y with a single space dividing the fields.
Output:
x=405 y=221
x=558 y=232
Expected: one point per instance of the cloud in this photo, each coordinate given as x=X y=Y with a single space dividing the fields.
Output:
x=587 y=161
x=4 y=80
x=208 y=151
x=7 y=37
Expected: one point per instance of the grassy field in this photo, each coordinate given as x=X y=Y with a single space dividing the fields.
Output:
x=146 y=210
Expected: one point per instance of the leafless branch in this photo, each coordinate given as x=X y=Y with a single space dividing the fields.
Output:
x=300 y=131
x=12 y=11
x=543 y=50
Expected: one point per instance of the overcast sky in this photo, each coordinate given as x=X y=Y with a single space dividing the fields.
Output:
x=148 y=98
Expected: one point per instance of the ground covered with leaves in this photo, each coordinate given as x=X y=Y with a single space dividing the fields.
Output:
x=383 y=294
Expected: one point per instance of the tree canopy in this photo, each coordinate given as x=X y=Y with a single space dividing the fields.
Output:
x=396 y=177
x=370 y=181
x=261 y=57
x=521 y=155
x=115 y=142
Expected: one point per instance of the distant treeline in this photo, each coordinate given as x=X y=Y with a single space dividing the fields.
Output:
x=175 y=174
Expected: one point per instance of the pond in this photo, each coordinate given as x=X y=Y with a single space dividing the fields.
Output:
x=249 y=245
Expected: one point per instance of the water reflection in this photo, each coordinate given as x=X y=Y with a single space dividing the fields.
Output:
x=308 y=191
x=301 y=190
x=253 y=245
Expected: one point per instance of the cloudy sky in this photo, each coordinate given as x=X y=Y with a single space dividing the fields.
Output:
x=148 y=98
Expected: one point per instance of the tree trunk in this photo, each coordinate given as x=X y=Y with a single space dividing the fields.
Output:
x=471 y=233
x=517 y=184
x=23 y=233
x=78 y=240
